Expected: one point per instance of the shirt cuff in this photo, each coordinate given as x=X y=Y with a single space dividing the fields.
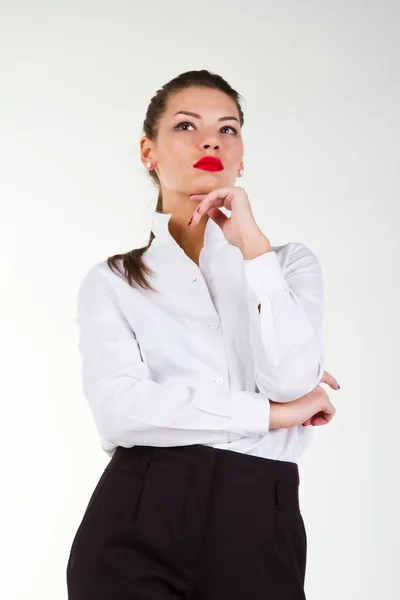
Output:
x=250 y=414
x=264 y=275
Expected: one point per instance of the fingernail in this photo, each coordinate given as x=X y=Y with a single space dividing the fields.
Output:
x=190 y=221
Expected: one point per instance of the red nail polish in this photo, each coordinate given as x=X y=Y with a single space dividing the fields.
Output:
x=190 y=221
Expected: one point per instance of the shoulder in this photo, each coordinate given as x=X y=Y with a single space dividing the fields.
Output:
x=101 y=277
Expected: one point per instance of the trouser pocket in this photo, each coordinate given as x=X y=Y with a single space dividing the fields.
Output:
x=109 y=519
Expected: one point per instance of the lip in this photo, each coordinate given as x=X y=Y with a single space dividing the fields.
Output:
x=209 y=163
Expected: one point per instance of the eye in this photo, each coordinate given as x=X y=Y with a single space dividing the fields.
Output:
x=184 y=123
x=178 y=127
x=229 y=127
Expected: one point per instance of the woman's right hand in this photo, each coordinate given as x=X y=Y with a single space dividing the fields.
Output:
x=314 y=408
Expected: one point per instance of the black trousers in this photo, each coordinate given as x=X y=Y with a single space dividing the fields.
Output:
x=190 y=523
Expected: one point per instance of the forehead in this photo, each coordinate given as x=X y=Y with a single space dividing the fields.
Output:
x=202 y=100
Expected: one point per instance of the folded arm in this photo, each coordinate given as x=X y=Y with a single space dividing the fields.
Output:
x=128 y=407
x=285 y=300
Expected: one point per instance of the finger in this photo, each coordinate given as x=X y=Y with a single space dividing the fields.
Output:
x=217 y=193
x=218 y=216
x=330 y=380
x=320 y=420
x=218 y=197
x=327 y=378
x=324 y=417
x=205 y=205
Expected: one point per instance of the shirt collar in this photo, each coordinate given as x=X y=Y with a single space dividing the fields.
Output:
x=213 y=232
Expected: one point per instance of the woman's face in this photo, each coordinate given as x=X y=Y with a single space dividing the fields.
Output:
x=183 y=139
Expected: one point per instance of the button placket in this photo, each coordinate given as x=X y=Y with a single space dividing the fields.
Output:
x=207 y=278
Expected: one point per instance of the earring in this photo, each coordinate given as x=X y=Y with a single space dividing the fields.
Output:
x=240 y=173
x=148 y=165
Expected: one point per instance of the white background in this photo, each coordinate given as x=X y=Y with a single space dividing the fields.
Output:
x=321 y=82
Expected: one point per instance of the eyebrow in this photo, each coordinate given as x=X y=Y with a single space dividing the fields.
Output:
x=191 y=114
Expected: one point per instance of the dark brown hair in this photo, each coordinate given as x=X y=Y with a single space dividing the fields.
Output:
x=134 y=267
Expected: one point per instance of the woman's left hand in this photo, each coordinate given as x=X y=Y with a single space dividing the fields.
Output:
x=331 y=381
x=240 y=229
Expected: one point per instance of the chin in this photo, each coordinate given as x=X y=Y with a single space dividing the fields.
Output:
x=212 y=179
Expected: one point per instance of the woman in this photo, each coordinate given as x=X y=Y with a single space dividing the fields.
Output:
x=203 y=383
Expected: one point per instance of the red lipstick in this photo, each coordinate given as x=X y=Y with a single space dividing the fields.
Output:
x=209 y=163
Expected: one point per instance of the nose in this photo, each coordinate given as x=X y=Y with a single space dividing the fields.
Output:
x=207 y=146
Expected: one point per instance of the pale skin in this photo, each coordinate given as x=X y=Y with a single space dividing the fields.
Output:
x=194 y=195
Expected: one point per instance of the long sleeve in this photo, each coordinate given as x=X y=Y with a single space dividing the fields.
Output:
x=286 y=334
x=131 y=409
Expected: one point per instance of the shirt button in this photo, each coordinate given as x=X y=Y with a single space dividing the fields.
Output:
x=214 y=325
x=256 y=278
x=219 y=381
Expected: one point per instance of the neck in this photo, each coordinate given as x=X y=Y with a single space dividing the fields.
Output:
x=190 y=239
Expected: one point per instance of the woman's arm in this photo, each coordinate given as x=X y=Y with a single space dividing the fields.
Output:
x=285 y=300
x=314 y=408
x=129 y=408
x=286 y=333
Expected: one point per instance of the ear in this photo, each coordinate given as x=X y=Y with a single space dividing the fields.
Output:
x=146 y=150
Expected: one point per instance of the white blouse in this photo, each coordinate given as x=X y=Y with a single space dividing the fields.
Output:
x=195 y=362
